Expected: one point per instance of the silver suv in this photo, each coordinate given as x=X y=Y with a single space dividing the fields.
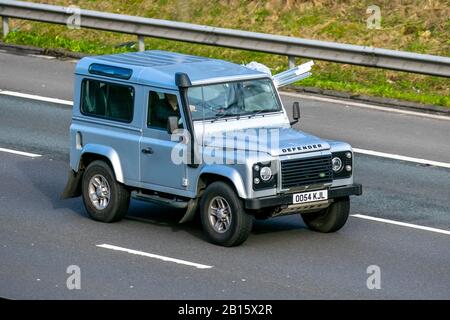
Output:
x=205 y=135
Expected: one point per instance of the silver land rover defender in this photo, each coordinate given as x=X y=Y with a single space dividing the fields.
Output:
x=205 y=135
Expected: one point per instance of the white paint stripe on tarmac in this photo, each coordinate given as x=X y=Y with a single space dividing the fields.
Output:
x=155 y=256
x=35 y=97
x=357 y=150
x=22 y=153
x=367 y=106
x=310 y=97
x=402 y=158
x=42 y=56
x=403 y=224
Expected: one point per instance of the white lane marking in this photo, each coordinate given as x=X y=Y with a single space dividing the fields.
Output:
x=155 y=256
x=41 y=56
x=22 y=153
x=357 y=150
x=35 y=97
x=403 y=224
x=402 y=158
x=336 y=101
x=367 y=106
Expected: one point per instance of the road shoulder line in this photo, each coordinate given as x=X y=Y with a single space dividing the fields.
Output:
x=357 y=150
x=366 y=106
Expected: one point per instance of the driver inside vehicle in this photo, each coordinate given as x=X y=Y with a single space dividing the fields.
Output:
x=163 y=106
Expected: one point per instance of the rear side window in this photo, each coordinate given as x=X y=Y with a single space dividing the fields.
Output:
x=107 y=100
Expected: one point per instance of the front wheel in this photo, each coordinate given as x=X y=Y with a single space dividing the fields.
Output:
x=224 y=220
x=330 y=219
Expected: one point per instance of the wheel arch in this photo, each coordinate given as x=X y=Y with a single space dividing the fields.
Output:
x=89 y=154
x=92 y=152
x=221 y=173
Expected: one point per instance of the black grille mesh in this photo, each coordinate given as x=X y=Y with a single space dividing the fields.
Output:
x=300 y=172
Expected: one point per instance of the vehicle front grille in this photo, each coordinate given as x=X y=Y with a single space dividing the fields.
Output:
x=306 y=171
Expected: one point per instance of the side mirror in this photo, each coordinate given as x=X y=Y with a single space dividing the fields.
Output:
x=295 y=113
x=172 y=124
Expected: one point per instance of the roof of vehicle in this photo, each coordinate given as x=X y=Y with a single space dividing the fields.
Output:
x=158 y=68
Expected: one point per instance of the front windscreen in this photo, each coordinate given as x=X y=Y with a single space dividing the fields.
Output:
x=233 y=99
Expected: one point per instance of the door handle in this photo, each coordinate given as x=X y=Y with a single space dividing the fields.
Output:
x=147 y=150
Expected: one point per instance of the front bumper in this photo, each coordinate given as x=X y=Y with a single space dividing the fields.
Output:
x=286 y=199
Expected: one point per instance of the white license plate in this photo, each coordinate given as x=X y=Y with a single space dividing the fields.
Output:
x=310 y=196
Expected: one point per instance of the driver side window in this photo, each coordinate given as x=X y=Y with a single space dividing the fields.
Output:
x=161 y=106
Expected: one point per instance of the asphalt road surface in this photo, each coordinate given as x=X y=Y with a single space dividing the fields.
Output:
x=41 y=235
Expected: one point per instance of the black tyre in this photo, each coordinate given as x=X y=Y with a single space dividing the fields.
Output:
x=223 y=217
x=104 y=198
x=330 y=219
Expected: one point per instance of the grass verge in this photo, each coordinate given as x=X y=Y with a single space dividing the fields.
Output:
x=409 y=26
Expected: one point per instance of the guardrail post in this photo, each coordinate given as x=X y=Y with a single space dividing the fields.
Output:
x=141 y=44
x=5 y=23
x=291 y=62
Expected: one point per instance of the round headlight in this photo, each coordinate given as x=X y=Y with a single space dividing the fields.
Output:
x=265 y=173
x=336 y=164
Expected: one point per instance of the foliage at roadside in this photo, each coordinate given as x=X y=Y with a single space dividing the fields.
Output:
x=411 y=25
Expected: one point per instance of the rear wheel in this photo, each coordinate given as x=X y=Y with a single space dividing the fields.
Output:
x=104 y=198
x=223 y=218
x=330 y=219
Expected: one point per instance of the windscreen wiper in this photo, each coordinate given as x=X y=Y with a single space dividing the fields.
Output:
x=224 y=114
x=255 y=113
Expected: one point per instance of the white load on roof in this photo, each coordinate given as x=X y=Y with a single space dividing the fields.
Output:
x=286 y=77
x=259 y=67
x=292 y=75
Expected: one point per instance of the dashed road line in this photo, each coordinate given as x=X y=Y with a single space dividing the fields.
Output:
x=155 y=256
x=403 y=224
x=35 y=97
x=402 y=158
x=22 y=153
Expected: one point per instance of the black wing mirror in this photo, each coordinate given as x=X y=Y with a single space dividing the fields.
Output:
x=295 y=113
x=172 y=124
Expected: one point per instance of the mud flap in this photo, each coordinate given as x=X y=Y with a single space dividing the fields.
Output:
x=73 y=186
x=190 y=211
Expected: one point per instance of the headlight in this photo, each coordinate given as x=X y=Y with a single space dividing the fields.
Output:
x=265 y=173
x=336 y=164
x=342 y=164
